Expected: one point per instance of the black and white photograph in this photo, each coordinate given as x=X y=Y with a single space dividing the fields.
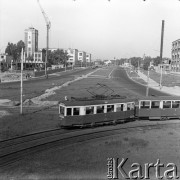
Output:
x=89 y=89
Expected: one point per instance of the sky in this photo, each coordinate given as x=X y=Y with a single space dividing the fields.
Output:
x=106 y=29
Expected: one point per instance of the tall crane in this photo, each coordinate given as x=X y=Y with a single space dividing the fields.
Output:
x=48 y=25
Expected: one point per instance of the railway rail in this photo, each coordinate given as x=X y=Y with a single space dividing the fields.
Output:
x=15 y=149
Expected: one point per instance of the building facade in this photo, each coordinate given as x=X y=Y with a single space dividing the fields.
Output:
x=72 y=56
x=31 y=41
x=175 y=54
x=82 y=56
x=88 y=57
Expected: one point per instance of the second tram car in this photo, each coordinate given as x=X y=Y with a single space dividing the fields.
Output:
x=91 y=112
x=160 y=107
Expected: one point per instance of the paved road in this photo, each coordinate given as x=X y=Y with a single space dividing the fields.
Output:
x=119 y=75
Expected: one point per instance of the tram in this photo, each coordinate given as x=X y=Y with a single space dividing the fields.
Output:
x=84 y=112
x=160 y=107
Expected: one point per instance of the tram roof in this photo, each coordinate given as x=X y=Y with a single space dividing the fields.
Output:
x=161 y=98
x=95 y=102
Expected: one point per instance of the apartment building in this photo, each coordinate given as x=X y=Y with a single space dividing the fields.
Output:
x=175 y=54
x=88 y=57
x=72 y=56
x=82 y=56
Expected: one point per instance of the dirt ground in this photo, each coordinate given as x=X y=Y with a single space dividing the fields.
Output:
x=14 y=124
x=88 y=160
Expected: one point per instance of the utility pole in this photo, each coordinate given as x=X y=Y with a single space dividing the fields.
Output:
x=21 y=98
x=48 y=25
x=161 y=52
x=147 y=87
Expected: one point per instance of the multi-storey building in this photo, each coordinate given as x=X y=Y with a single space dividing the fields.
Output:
x=82 y=56
x=175 y=63
x=31 y=41
x=72 y=56
x=88 y=57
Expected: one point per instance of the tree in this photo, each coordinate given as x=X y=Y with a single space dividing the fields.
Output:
x=156 y=61
x=57 y=57
x=135 y=61
x=14 y=50
x=20 y=45
x=146 y=62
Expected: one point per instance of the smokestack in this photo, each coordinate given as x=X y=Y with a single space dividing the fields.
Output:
x=162 y=36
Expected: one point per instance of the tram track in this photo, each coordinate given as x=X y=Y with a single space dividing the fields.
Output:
x=11 y=152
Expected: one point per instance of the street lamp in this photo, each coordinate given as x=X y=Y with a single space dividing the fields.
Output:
x=147 y=87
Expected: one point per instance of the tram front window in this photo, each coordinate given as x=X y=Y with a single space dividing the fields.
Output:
x=76 y=111
x=89 y=110
x=110 y=108
x=62 y=110
x=69 y=110
x=100 y=109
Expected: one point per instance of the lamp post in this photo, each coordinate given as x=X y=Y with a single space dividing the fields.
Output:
x=147 y=87
x=161 y=52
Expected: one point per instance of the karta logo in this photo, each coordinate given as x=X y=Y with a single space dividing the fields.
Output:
x=116 y=170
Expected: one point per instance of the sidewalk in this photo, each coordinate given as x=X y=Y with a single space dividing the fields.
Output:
x=153 y=84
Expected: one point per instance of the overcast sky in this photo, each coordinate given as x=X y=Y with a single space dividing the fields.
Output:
x=119 y=28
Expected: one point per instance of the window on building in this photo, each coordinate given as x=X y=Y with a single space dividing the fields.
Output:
x=76 y=111
x=145 y=104
x=155 y=104
x=100 y=109
x=89 y=110
x=166 y=104
x=110 y=108
x=80 y=54
x=29 y=42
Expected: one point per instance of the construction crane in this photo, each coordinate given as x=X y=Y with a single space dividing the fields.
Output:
x=48 y=25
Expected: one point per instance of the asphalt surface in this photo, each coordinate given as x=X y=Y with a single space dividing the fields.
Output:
x=119 y=75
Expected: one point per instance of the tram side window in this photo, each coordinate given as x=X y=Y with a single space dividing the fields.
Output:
x=61 y=110
x=155 y=104
x=100 y=109
x=76 y=111
x=110 y=108
x=89 y=110
x=119 y=107
x=166 y=104
x=145 y=104
x=69 y=110
x=175 y=104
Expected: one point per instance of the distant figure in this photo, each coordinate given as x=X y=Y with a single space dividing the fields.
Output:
x=65 y=97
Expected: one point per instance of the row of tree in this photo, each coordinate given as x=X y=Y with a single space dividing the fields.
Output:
x=55 y=57
x=141 y=62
